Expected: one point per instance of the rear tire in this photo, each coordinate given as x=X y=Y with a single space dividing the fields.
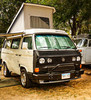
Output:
x=25 y=82
x=6 y=71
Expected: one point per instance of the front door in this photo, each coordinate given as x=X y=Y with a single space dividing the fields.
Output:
x=26 y=59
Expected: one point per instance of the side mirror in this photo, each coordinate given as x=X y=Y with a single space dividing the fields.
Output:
x=25 y=45
x=75 y=44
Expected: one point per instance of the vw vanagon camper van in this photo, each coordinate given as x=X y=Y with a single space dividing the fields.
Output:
x=84 y=46
x=41 y=56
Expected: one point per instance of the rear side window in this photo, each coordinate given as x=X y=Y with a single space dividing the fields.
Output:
x=28 y=40
x=8 y=44
x=15 y=43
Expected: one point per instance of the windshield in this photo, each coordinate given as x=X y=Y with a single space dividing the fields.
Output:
x=82 y=43
x=50 y=41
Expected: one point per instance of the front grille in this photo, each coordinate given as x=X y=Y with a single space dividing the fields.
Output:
x=65 y=68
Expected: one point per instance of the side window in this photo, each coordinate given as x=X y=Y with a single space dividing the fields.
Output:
x=89 y=43
x=15 y=43
x=8 y=44
x=28 y=40
x=39 y=22
x=85 y=43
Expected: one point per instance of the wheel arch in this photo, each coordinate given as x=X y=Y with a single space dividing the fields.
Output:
x=23 y=67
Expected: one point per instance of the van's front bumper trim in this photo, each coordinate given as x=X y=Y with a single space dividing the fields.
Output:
x=59 y=81
x=54 y=77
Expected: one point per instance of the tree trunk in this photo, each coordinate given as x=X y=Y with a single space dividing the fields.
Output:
x=73 y=29
x=73 y=26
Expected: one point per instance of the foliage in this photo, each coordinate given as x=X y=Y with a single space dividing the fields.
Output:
x=8 y=9
x=74 y=15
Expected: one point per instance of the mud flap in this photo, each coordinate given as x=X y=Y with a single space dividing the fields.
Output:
x=0 y=63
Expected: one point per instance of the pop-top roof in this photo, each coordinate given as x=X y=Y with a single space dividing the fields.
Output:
x=28 y=4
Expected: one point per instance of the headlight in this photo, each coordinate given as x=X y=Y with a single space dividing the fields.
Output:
x=49 y=60
x=78 y=58
x=41 y=60
x=73 y=58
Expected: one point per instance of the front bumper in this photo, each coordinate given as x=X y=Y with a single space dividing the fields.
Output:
x=55 y=77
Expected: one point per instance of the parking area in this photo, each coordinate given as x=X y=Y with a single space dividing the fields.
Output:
x=79 y=89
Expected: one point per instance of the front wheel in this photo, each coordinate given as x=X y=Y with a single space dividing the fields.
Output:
x=26 y=83
x=6 y=72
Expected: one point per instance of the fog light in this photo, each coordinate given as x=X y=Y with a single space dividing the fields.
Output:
x=49 y=60
x=73 y=58
x=36 y=70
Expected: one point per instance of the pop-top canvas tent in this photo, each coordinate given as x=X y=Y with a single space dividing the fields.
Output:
x=32 y=16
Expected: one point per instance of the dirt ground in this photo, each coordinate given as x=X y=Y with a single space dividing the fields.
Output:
x=79 y=89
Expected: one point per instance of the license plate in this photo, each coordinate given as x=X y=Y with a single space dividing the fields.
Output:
x=66 y=76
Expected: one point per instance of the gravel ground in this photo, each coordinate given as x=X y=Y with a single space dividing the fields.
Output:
x=79 y=89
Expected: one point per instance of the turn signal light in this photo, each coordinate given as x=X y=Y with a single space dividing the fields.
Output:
x=80 y=65
x=36 y=70
x=80 y=50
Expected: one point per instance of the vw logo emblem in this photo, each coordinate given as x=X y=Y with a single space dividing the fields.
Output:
x=63 y=59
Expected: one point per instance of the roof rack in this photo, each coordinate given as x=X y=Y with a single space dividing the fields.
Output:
x=11 y=34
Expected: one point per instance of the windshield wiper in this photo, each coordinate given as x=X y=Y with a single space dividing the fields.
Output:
x=44 y=47
x=66 y=47
x=56 y=48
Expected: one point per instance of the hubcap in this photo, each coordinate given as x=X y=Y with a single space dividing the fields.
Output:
x=23 y=78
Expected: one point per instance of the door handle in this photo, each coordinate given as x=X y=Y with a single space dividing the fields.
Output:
x=17 y=54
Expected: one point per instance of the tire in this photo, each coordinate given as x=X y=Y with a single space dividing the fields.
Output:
x=6 y=71
x=25 y=82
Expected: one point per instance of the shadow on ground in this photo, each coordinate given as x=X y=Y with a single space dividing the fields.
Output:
x=9 y=81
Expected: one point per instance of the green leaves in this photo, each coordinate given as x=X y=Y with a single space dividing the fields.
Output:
x=8 y=9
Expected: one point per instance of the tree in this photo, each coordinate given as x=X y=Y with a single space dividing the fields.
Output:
x=8 y=9
x=74 y=13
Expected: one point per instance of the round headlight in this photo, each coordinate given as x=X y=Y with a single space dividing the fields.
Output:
x=49 y=60
x=41 y=60
x=73 y=58
x=78 y=58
